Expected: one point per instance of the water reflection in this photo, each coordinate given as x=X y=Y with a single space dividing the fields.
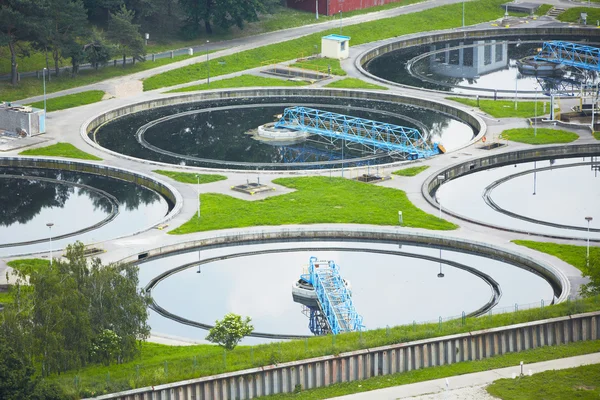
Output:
x=471 y=65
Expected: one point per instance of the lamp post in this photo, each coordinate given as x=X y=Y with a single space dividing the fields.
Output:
x=587 y=257
x=534 y=177
x=441 y=274
x=44 y=79
x=440 y=179
x=463 y=17
x=199 y=265
x=198 y=192
x=340 y=21
x=207 y=66
x=516 y=85
x=535 y=114
x=316 y=9
x=50 y=225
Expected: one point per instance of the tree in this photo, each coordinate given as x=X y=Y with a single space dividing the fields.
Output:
x=592 y=288
x=14 y=28
x=125 y=34
x=223 y=13
x=228 y=332
x=97 y=51
x=76 y=311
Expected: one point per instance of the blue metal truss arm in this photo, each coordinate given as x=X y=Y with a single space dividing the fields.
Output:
x=571 y=54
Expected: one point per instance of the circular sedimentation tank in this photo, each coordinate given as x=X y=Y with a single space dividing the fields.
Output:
x=392 y=283
x=105 y=206
x=222 y=133
x=481 y=64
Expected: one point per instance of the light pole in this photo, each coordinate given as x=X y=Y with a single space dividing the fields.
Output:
x=516 y=85
x=340 y=21
x=441 y=274
x=463 y=19
x=587 y=257
x=534 y=176
x=207 y=66
x=198 y=192
x=535 y=113
x=50 y=225
x=44 y=79
x=440 y=179
x=316 y=9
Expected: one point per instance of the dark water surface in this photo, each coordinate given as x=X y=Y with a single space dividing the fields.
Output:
x=221 y=133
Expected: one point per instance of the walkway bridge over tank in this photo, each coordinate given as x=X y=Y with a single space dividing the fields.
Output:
x=373 y=134
x=334 y=297
x=571 y=54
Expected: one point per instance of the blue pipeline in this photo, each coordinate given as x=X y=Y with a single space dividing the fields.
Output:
x=571 y=54
x=358 y=130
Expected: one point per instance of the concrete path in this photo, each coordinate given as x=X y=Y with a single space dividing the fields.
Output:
x=470 y=386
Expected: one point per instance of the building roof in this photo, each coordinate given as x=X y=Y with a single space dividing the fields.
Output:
x=339 y=38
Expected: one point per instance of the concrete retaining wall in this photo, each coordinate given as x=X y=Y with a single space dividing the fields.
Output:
x=363 y=364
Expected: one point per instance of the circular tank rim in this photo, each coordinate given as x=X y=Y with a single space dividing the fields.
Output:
x=462 y=114
x=457 y=170
x=453 y=34
x=555 y=277
x=139 y=178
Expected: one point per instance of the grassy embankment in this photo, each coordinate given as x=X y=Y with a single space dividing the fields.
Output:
x=60 y=150
x=449 y=16
x=70 y=100
x=29 y=87
x=504 y=108
x=572 y=383
x=241 y=81
x=543 y=9
x=321 y=65
x=188 y=177
x=571 y=254
x=161 y=364
x=354 y=83
x=542 y=136
x=340 y=201
x=573 y=14
x=411 y=171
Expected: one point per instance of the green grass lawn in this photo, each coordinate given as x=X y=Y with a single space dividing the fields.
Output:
x=60 y=150
x=25 y=265
x=542 y=136
x=5 y=297
x=596 y=135
x=339 y=201
x=70 y=100
x=188 y=177
x=321 y=65
x=29 y=87
x=411 y=171
x=573 y=14
x=354 y=83
x=241 y=81
x=186 y=362
x=571 y=254
x=468 y=367
x=443 y=17
x=505 y=108
x=543 y=9
x=573 y=383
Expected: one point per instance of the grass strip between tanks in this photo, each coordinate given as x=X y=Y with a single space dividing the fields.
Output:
x=60 y=150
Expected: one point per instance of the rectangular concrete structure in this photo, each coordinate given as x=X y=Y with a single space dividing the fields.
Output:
x=363 y=364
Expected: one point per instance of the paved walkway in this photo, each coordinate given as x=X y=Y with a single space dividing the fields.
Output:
x=470 y=386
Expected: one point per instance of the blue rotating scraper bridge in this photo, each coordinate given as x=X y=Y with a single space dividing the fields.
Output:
x=334 y=298
x=378 y=135
x=571 y=54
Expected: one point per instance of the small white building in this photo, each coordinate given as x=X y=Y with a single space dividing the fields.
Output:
x=22 y=120
x=335 y=46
